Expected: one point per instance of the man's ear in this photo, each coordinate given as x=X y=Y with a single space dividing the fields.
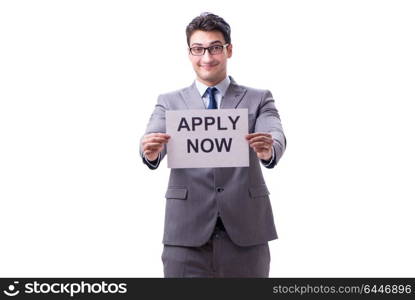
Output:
x=188 y=53
x=229 y=51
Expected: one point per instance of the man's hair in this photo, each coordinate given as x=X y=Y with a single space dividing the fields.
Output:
x=209 y=22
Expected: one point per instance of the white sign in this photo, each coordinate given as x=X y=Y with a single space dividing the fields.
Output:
x=208 y=138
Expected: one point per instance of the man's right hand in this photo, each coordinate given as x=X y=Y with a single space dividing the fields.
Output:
x=153 y=143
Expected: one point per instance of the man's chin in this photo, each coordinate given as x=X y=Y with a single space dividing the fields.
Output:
x=208 y=78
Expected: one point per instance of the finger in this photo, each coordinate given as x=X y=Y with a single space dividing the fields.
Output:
x=151 y=155
x=265 y=143
x=255 y=134
x=261 y=150
x=261 y=139
x=148 y=152
x=162 y=135
x=156 y=135
x=151 y=151
x=151 y=136
x=156 y=140
x=152 y=146
x=262 y=135
x=261 y=144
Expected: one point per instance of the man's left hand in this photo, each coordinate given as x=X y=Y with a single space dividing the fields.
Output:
x=261 y=143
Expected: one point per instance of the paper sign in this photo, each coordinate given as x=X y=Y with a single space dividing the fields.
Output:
x=208 y=138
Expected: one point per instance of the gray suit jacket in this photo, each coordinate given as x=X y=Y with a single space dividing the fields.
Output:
x=196 y=196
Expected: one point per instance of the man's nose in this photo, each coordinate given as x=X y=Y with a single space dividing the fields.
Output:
x=206 y=57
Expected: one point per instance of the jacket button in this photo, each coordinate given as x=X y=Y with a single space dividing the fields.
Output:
x=219 y=189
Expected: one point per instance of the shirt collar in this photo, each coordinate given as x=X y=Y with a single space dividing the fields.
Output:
x=221 y=86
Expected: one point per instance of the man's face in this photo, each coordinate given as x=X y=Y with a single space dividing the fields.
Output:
x=210 y=69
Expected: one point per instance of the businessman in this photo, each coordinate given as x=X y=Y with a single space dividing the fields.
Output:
x=218 y=221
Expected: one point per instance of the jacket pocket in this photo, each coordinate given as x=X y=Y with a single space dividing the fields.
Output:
x=258 y=191
x=176 y=193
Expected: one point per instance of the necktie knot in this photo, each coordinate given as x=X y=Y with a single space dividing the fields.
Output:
x=212 y=101
x=211 y=90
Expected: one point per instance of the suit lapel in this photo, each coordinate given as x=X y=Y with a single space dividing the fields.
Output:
x=192 y=98
x=233 y=95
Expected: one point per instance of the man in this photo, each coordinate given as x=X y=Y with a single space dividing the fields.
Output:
x=218 y=221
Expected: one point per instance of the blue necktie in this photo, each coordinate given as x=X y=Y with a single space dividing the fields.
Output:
x=212 y=101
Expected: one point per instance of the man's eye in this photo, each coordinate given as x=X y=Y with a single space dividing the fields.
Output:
x=216 y=48
x=197 y=49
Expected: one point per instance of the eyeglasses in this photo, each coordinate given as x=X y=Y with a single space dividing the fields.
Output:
x=213 y=50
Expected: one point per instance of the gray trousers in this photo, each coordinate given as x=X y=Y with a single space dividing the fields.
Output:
x=219 y=257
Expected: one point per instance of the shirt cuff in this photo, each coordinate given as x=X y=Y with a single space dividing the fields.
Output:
x=153 y=163
x=269 y=162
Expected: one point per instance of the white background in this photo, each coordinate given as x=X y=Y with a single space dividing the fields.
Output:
x=79 y=80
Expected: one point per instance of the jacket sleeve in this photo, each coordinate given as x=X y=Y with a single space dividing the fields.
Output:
x=156 y=124
x=268 y=120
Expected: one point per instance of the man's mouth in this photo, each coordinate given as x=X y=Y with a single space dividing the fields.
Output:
x=208 y=67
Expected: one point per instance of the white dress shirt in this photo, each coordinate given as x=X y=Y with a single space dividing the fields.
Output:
x=221 y=87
